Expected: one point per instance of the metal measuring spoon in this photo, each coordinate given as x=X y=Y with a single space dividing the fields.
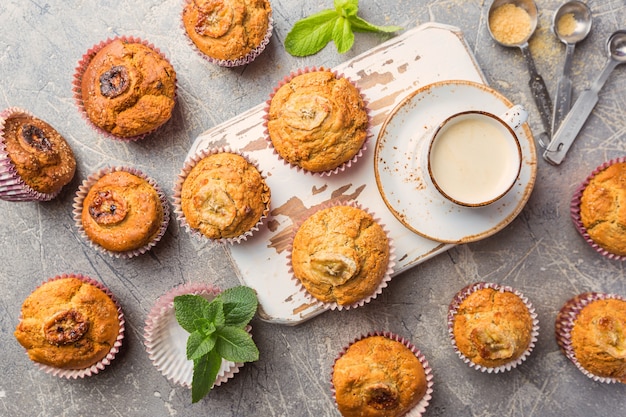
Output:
x=579 y=14
x=575 y=119
x=536 y=83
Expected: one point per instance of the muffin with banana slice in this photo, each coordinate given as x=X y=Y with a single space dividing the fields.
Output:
x=381 y=374
x=493 y=328
x=317 y=121
x=221 y=195
x=71 y=326
x=591 y=332
x=36 y=162
x=341 y=256
x=121 y=211
x=228 y=32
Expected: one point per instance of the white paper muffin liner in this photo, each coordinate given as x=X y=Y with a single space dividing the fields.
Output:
x=12 y=186
x=77 y=85
x=420 y=408
x=334 y=305
x=230 y=63
x=102 y=363
x=177 y=200
x=82 y=192
x=166 y=341
x=342 y=167
x=564 y=323
x=575 y=211
x=453 y=309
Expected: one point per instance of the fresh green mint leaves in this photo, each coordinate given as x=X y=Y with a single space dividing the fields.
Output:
x=216 y=330
x=311 y=34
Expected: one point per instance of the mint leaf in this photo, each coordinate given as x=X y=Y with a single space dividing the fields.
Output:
x=360 y=25
x=310 y=35
x=199 y=344
x=236 y=345
x=205 y=371
x=343 y=35
x=190 y=308
x=240 y=305
x=347 y=8
x=216 y=330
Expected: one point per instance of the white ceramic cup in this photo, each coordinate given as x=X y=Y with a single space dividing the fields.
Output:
x=474 y=157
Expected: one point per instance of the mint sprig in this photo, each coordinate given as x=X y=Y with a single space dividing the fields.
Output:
x=311 y=34
x=216 y=331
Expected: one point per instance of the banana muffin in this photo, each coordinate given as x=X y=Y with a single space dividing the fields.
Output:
x=591 y=332
x=317 y=121
x=340 y=254
x=126 y=87
x=122 y=211
x=70 y=322
x=228 y=32
x=222 y=195
x=601 y=210
x=36 y=160
x=380 y=376
x=492 y=327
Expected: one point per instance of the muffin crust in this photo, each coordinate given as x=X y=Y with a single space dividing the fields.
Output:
x=128 y=89
x=378 y=377
x=68 y=323
x=340 y=254
x=317 y=121
x=41 y=156
x=603 y=208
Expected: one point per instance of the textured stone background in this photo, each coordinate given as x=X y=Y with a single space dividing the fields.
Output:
x=540 y=253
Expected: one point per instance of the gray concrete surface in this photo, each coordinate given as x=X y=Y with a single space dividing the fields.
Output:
x=540 y=253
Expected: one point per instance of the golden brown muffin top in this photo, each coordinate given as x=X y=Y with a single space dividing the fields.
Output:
x=68 y=323
x=598 y=338
x=122 y=212
x=317 y=121
x=340 y=254
x=603 y=208
x=41 y=156
x=492 y=328
x=128 y=89
x=378 y=377
x=227 y=29
x=224 y=196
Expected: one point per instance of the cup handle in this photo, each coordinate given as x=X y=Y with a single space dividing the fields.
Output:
x=515 y=116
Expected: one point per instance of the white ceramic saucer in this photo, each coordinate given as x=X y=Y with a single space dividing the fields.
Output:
x=400 y=178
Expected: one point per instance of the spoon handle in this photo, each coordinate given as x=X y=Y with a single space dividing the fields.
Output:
x=576 y=118
x=563 y=99
x=539 y=90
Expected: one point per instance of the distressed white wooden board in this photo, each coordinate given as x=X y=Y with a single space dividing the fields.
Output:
x=385 y=74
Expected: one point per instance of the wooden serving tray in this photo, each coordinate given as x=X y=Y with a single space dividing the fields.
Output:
x=386 y=75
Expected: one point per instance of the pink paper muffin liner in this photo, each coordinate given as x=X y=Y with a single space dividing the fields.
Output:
x=564 y=324
x=420 y=407
x=334 y=305
x=341 y=168
x=12 y=186
x=230 y=63
x=575 y=210
x=453 y=309
x=100 y=365
x=182 y=176
x=77 y=85
x=166 y=341
x=82 y=192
